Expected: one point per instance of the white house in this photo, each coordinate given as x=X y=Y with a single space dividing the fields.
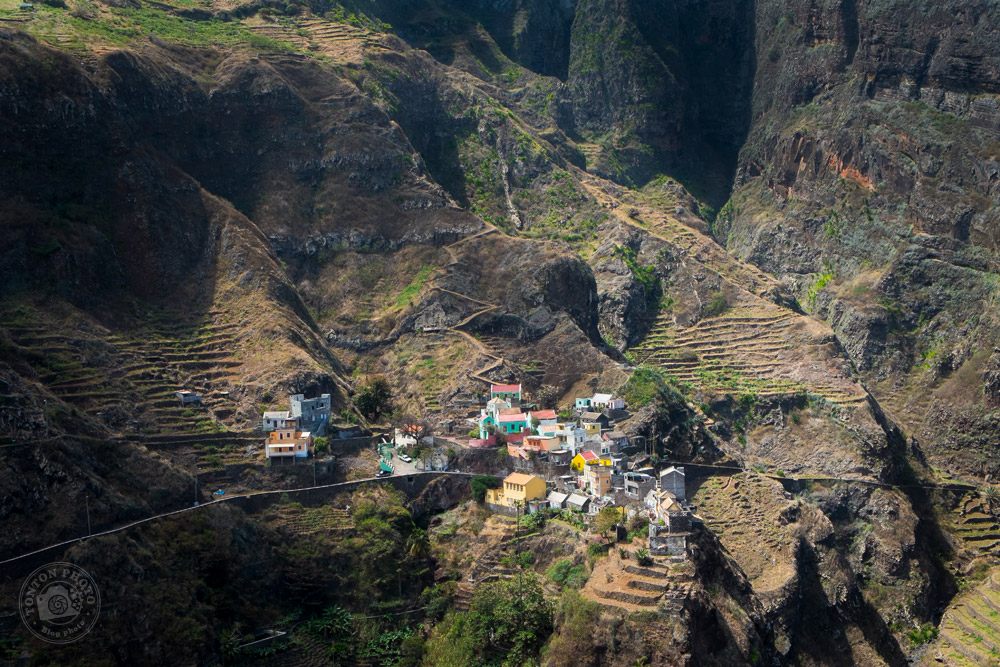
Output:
x=276 y=419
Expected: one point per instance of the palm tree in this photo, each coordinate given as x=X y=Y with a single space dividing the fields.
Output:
x=991 y=494
x=417 y=545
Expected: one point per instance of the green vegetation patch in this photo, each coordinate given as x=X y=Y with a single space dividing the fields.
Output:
x=645 y=385
x=821 y=281
x=566 y=573
x=122 y=25
x=507 y=623
x=411 y=291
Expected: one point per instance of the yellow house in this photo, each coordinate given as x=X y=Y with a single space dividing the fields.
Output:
x=588 y=458
x=518 y=488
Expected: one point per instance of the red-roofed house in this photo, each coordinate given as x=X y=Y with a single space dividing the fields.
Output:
x=543 y=418
x=512 y=423
x=584 y=458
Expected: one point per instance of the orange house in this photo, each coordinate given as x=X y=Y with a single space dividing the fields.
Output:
x=288 y=443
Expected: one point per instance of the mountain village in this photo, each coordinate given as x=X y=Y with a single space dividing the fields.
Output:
x=575 y=461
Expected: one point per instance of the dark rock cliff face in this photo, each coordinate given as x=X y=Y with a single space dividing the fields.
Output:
x=662 y=89
x=872 y=161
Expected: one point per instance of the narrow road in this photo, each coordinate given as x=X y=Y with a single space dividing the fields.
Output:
x=201 y=506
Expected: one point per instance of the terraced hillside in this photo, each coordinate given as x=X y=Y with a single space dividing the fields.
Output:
x=976 y=526
x=753 y=348
x=308 y=520
x=969 y=633
x=746 y=511
x=124 y=379
x=741 y=338
x=625 y=584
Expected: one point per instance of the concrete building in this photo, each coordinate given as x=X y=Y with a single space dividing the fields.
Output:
x=597 y=479
x=606 y=402
x=312 y=413
x=669 y=524
x=508 y=392
x=672 y=480
x=638 y=485
x=613 y=442
x=187 y=397
x=557 y=500
x=578 y=502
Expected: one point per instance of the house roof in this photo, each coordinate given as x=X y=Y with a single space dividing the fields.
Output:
x=544 y=414
x=516 y=452
x=591 y=416
x=614 y=435
x=577 y=499
x=557 y=497
x=519 y=478
x=602 y=398
x=672 y=469
x=510 y=411
x=588 y=455
x=519 y=417
x=279 y=414
x=505 y=388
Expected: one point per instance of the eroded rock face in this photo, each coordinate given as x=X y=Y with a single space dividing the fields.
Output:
x=865 y=185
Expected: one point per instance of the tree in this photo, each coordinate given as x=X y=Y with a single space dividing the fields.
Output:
x=576 y=618
x=479 y=485
x=374 y=398
x=507 y=623
x=413 y=426
x=606 y=520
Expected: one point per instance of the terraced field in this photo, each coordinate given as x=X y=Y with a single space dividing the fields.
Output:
x=744 y=512
x=976 y=528
x=755 y=345
x=308 y=520
x=754 y=348
x=624 y=584
x=491 y=546
x=128 y=381
x=970 y=629
x=340 y=42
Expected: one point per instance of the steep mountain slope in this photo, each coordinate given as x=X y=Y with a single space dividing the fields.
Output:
x=247 y=202
x=869 y=184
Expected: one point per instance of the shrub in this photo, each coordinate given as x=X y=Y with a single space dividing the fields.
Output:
x=531 y=522
x=576 y=619
x=566 y=574
x=525 y=559
x=717 y=304
x=642 y=556
x=507 y=623
x=922 y=635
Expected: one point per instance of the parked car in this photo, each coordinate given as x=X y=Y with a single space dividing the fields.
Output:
x=405 y=459
x=383 y=473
